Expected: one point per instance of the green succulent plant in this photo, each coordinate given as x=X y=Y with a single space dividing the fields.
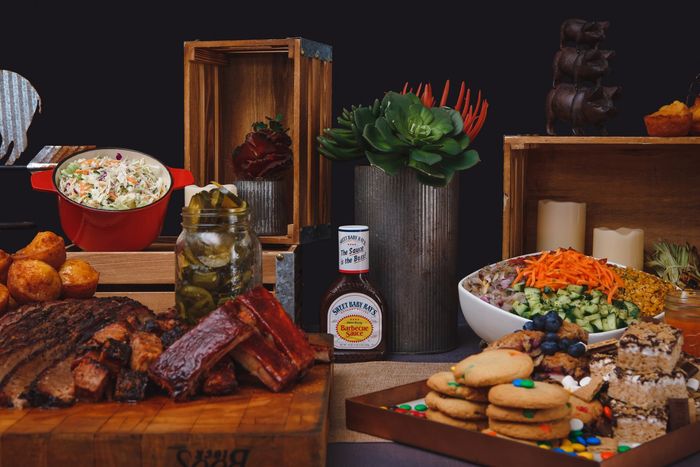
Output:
x=402 y=132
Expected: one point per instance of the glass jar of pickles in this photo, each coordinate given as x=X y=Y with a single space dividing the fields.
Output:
x=217 y=255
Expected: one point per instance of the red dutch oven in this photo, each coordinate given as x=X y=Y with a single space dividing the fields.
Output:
x=95 y=229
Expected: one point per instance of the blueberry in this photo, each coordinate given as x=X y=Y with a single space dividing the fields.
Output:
x=538 y=322
x=551 y=336
x=529 y=326
x=577 y=349
x=549 y=348
x=564 y=344
x=551 y=314
x=552 y=322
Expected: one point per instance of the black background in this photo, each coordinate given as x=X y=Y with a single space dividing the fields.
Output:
x=111 y=74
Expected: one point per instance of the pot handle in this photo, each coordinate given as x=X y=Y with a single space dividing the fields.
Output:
x=181 y=178
x=43 y=181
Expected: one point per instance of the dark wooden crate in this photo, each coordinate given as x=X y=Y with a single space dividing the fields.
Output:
x=640 y=182
x=231 y=84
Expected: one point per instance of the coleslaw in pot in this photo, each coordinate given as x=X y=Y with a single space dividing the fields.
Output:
x=112 y=183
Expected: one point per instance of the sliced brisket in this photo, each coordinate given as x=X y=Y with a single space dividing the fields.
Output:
x=40 y=341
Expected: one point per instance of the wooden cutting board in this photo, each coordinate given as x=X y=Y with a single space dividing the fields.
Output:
x=251 y=428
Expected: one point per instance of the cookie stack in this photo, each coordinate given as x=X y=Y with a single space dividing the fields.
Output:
x=644 y=379
x=529 y=410
x=460 y=397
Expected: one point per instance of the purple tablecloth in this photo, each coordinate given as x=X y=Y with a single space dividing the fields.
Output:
x=393 y=454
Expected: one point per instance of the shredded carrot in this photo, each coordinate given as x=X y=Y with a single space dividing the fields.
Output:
x=557 y=269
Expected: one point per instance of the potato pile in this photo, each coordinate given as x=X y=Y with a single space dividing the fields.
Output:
x=40 y=272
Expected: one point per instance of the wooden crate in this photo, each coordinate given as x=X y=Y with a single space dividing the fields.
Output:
x=252 y=427
x=639 y=182
x=231 y=84
x=149 y=276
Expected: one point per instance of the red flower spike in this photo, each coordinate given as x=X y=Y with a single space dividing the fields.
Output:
x=445 y=92
x=460 y=98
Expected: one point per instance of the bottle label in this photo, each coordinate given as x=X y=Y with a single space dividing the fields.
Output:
x=353 y=249
x=355 y=320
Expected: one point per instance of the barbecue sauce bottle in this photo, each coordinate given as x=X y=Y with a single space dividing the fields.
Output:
x=352 y=310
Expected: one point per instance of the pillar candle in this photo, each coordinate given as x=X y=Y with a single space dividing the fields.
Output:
x=191 y=190
x=561 y=225
x=623 y=246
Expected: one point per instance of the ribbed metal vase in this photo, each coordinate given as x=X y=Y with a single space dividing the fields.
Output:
x=413 y=255
x=268 y=210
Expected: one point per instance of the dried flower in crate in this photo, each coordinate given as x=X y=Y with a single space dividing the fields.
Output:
x=266 y=152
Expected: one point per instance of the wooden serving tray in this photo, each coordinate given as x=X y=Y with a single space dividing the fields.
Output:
x=365 y=414
x=252 y=427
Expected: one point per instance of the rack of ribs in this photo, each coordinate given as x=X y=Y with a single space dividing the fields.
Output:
x=260 y=309
x=180 y=369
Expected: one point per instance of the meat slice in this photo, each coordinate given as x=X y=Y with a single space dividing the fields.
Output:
x=145 y=349
x=91 y=380
x=262 y=310
x=53 y=387
x=221 y=380
x=130 y=386
x=116 y=331
x=180 y=368
x=115 y=355
x=262 y=359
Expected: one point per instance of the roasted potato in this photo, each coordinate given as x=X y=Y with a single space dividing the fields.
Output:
x=4 y=299
x=47 y=247
x=79 y=279
x=5 y=261
x=31 y=280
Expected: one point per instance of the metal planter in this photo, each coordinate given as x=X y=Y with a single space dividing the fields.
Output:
x=413 y=254
x=266 y=201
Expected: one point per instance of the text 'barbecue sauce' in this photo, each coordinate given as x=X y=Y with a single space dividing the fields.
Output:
x=352 y=310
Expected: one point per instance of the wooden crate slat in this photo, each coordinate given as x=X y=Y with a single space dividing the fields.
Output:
x=326 y=110
x=156 y=301
x=151 y=267
x=641 y=182
x=133 y=267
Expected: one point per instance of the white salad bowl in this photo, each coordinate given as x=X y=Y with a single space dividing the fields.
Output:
x=490 y=322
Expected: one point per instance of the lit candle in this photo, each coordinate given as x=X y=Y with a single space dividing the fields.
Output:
x=561 y=225
x=191 y=190
x=623 y=246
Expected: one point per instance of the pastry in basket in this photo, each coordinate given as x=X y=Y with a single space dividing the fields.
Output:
x=695 y=111
x=674 y=119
